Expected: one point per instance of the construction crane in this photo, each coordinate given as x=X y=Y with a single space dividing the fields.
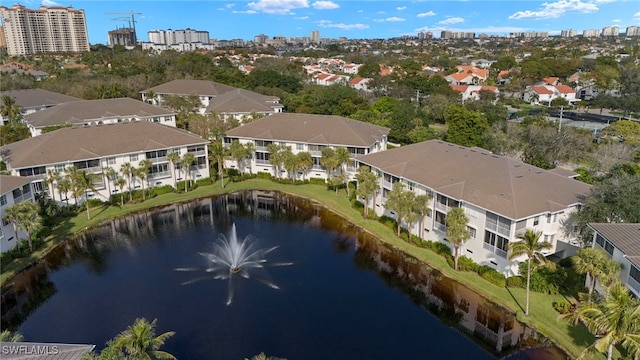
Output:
x=132 y=22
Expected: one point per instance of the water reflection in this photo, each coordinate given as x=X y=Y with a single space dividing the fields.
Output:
x=492 y=327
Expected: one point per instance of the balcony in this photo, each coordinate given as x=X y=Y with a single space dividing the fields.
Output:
x=387 y=184
x=261 y=148
x=494 y=250
x=440 y=227
x=262 y=162
x=442 y=207
x=158 y=160
x=502 y=230
x=161 y=174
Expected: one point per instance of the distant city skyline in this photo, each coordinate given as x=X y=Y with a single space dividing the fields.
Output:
x=367 y=19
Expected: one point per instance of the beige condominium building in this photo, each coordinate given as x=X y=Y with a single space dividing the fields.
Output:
x=48 y=29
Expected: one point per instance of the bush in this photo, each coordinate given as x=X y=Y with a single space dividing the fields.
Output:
x=493 y=276
x=159 y=190
x=466 y=264
x=317 y=181
x=181 y=184
x=388 y=221
x=563 y=307
x=441 y=249
x=42 y=232
x=516 y=282
x=95 y=202
x=263 y=175
x=204 y=181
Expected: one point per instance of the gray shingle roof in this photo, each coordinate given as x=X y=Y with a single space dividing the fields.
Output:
x=311 y=129
x=191 y=87
x=9 y=183
x=243 y=101
x=43 y=351
x=624 y=236
x=75 y=112
x=74 y=144
x=37 y=97
x=496 y=183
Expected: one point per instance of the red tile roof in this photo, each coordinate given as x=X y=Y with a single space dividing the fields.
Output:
x=541 y=90
x=565 y=89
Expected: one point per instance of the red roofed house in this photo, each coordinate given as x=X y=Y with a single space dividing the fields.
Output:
x=459 y=79
x=472 y=92
x=551 y=80
x=545 y=94
x=567 y=93
x=359 y=83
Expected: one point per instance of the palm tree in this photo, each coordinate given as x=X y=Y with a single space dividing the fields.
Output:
x=275 y=157
x=174 y=159
x=400 y=201
x=238 y=153
x=110 y=174
x=12 y=214
x=305 y=162
x=71 y=176
x=8 y=336
x=329 y=160
x=421 y=207
x=31 y=220
x=457 y=231
x=64 y=186
x=343 y=157
x=139 y=340
x=187 y=160
x=530 y=246
x=249 y=150
x=367 y=186
x=85 y=183
x=614 y=320
x=9 y=110
x=142 y=173
x=290 y=163
x=127 y=170
x=121 y=183
x=589 y=261
x=52 y=178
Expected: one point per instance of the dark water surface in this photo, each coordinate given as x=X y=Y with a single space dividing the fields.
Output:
x=346 y=296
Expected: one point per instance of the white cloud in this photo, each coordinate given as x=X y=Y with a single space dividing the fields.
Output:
x=244 y=12
x=302 y=18
x=556 y=9
x=400 y=8
x=451 y=21
x=477 y=30
x=425 y=14
x=49 y=3
x=325 y=5
x=229 y=6
x=393 y=19
x=637 y=15
x=282 y=7
x=616 y=21
x=330 y=24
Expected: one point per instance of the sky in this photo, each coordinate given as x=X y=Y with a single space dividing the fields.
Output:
x=354 y=19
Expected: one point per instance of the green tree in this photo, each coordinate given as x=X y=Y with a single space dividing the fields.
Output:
x=51 y=179
x=121 y=183
x=530 y=246
x=465 y=127
x=276 y=157
x=343 y=157
x=421 y=208
x=589 y=261
x=249 y=150
x=13 y=214
x=217 y=154
x=187 y=160
x=290 y=163
x=139 y=341
x=9 y=109
x=367 y=186
x=400 y=201
x=64 y=186
x=174 y=159
x=13 y=132
x=614 y=321
x=128 y=170
x=8 y=336
x=238 y=152
x=457 y=231
x=627 y=130
x=110 y=175
x=84 y=181
x=305 y=162
x=142 y=172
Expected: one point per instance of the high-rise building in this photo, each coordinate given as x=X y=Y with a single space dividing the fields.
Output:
x=260 y=39
x=49 y=29
x=172 y=37
x=315 y=36
x=610 y=31
x=568 y=33
x=123 y=36
x=591 y=33
x=633 y=31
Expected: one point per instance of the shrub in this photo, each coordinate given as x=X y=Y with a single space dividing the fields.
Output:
x=42 y=232
x=388 y=221
x=516 y=282
x=441 y=249
x=493 y=276
x=181 y=184
x=263 y=175
x=466 y=264
x=159 y=190
x=563 y=307
x=95 y=202
x=317 y=181
x=204 y=181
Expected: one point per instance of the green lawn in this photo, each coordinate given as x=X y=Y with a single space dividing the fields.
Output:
x=542 y=317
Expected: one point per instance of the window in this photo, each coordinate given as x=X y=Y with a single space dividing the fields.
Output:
x=156 y=154
x=600 y=240
x=634 y=273
x=549 y=218
x=59 y=168
x=133 y=157
x=111 y=161
x=40 y=170
x=300 y=147
x=608 y=247
x=472 y=232
x=195 y=148
x=496 y=240
x=536 y=221
x=87 y=164
x=3 y=200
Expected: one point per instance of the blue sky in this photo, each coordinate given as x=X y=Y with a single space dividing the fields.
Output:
x=352 y=19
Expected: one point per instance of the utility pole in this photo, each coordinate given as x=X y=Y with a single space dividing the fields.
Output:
x=418 y=98
x=560 y=121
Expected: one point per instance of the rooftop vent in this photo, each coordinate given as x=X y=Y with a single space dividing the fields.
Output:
x=517 y=165
x=518 y=176
x=538 y=171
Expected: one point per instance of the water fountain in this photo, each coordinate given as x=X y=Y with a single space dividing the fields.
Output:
x=232 y=258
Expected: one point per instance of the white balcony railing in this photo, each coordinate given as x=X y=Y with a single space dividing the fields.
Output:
x=442 y=207
x=494 y=250
x=440 y=227
x=497 y=228
x=262 y=162
x=387 y=184
x=634 y=285
x=159 y=159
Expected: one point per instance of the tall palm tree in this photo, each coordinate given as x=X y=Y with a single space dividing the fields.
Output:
x=421 y=207
x=139 y=341
x=305 y=162
x=142 y=172
x=64 y=186
x=12 y=214
x=217 y=153
x=51 y=179
x=343 y=158
x=329 y=160
x=275 y=157
x=249 y=151
x=110 y=174
x=457 y=231
x=400 y=201
x=127 y=170
x=30 y=220
x=9 y=109
x=238 y=152
x=530 y=246
x=290 y=162
x=85 y=183
x=367 y=186
x=72 y=177
x=174 y=159
x=121 y=183
x=187 y=160
x=589 y=261
x=614 y=321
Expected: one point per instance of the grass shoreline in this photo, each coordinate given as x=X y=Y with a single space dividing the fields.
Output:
x=543 y=318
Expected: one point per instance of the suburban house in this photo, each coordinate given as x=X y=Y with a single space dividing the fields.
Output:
x=359 y=83
x=467 y=75
x=545 y=94
x=32 y=100
x=98 y=147
x=17 y=68
x=237 y=102
x=306 y=133
x=13 y=189
x=501 y=197
x=97 y=112
x=472 y=92
x=621 y=241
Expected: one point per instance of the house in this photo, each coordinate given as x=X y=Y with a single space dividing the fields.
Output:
x=621 y=241
x=32 y=100
x=97 y=147
x=207 y=91
x=13 y=189
x=351 y=69
x=539 y=94
x=97 y=112
x=501 y=197
x=459 y=79
x=240 y=103
x=478 y=75
x=306 y=133
x=551 y=80
x=21 y=69
x=472 y=92
x=566 y=92
x=359 y=83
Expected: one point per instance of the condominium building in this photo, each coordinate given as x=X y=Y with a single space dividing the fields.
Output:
x=13 y=190
x=48 y=29
x=171 y=37
x=610 y=31
x=315 y=36
x=633 y=31
x=591 y=33
x=569 y=33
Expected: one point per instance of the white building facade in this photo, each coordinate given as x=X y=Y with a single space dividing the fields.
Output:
x=13 y=190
